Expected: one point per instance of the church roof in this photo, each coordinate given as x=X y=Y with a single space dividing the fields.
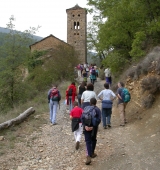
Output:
x=48 y=37
x=75 y=7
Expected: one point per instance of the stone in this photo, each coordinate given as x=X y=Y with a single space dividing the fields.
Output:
x=1 y=138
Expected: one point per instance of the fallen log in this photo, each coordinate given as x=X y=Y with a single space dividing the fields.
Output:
x=18 y=119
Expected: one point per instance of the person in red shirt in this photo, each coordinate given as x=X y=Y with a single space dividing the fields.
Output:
x=71 y=93
x=77 y=127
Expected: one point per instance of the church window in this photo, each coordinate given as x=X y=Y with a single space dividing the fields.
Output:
x=79 y=15
x=78 y=25
x=75 y=25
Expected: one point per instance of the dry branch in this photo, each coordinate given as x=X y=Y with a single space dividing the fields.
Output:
x=18 y=119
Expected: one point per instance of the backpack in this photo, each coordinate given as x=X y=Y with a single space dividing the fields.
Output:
x=89 y=117
x=70 y=92
x=126 y=97
x=93 y=72
x=55 y=95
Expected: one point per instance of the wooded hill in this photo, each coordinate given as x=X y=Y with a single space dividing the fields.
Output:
x=123 y=31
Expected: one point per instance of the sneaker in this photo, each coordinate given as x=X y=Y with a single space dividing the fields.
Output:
x=88 y=161
x=122 y=124
x=109 y=126
x=54 y=124
x=93 y=155
x=105 y=127
x=77 y=145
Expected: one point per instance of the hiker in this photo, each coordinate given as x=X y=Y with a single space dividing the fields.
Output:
x=97 y=73
x=106 y=96
x=81 y=89
x=87 y=95
x=54 y=97
x=71 y=92
x=77 y=128
x=84 y=74
x=79 y=70
x=92 y=75
x=91 y=128
x=121 y=104
x=107 y=72
x=87 y=70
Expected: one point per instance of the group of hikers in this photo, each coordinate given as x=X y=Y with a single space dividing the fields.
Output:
x=84 y=113
x=86 y=70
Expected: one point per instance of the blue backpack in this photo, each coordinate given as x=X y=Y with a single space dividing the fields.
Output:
x=89 y=117
x=126 y=97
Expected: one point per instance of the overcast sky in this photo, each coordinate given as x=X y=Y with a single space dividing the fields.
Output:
x=49 y=14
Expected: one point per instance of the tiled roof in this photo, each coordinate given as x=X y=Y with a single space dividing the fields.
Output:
x=75 y=7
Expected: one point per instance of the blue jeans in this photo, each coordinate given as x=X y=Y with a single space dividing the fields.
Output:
x=106 y=113
x=70 y=104
x=53 y=110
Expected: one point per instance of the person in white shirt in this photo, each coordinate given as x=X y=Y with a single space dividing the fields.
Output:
x=106 y=96
x=107 y=72
x=87 y=95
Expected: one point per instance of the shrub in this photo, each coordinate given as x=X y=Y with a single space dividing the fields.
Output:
x=158 y=66
x=101 y=74
x=151 y=84
x=148 y=101
x=131 y=72
x=138 y=71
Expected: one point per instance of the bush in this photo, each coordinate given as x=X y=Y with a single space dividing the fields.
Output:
x=115 y=61
x=148 y=101
x=151 y=84
x=131 y=72
x=101 y=74
x=158 y=66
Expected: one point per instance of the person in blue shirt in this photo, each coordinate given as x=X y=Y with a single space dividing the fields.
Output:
x=106 y=96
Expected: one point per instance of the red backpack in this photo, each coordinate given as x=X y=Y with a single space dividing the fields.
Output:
x=55 y=94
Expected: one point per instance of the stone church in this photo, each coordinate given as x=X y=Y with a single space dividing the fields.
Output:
x=76 y=34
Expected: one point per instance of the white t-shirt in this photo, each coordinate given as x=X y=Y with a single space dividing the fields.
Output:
x=107 y=72
x=87 y=95
x=107 y=94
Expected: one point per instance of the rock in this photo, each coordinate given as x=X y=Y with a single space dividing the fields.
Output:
x=37 y=116
x=1 y=138
x=21 y=168
x=153 y=135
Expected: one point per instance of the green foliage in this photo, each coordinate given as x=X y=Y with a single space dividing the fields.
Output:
x=115 y=61
x=137 y=45
x=33 y=59
x=128 y=27
x=58 y=67
x=13 y=57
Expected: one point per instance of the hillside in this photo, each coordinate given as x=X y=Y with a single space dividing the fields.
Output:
x=6 y=30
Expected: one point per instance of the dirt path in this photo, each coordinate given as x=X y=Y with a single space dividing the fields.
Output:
x=119 y=148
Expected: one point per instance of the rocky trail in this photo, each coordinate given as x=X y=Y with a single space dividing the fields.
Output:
x=133 y=147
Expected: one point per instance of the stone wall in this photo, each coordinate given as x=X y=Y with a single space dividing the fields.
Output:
x=49 y=42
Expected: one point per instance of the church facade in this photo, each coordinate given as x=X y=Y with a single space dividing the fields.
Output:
x=76 y=34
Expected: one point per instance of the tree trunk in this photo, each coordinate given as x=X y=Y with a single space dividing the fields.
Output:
x=18 y=119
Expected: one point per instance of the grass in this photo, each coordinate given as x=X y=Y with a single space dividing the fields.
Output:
x=17 y=133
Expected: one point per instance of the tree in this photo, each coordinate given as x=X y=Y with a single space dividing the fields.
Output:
x=57 y=67
x=130 y=27
x=13 y=57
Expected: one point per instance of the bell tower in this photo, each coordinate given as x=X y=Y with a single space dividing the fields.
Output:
x=77 y=30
